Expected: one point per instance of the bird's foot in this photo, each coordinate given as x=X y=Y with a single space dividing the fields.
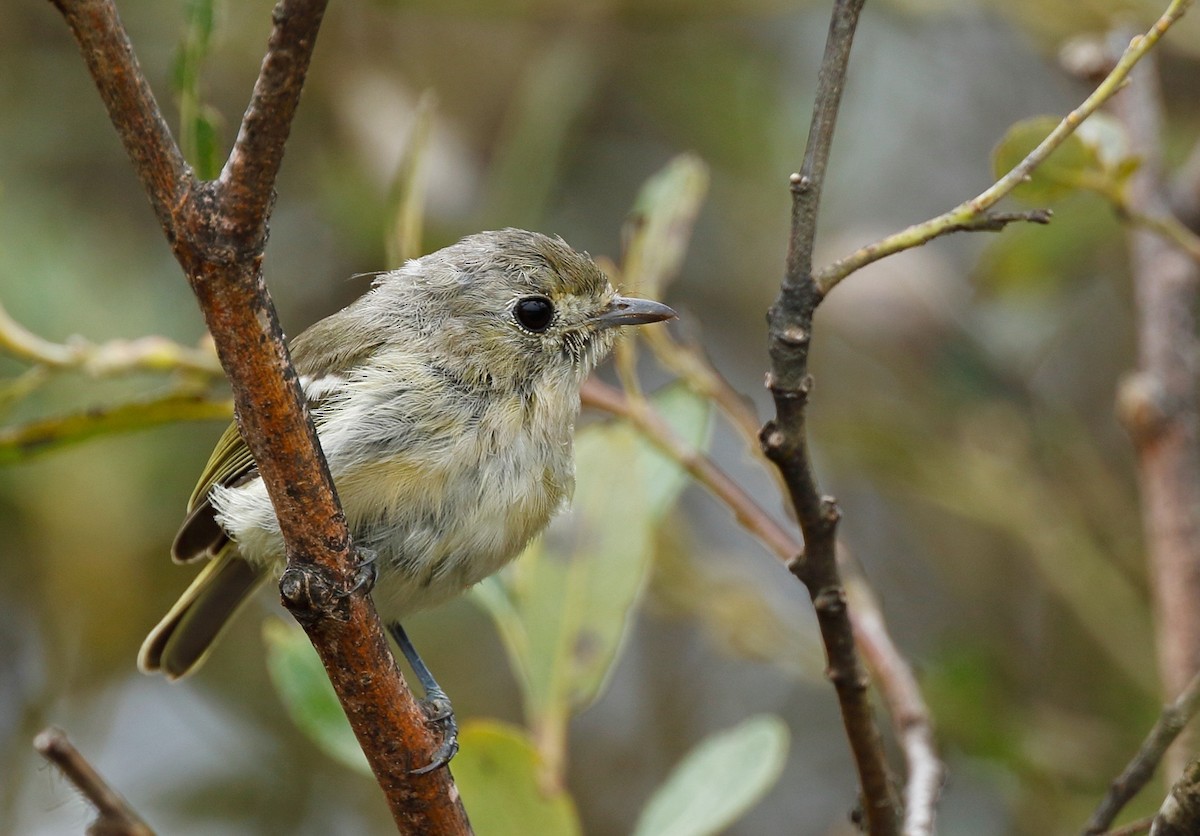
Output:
x=439 y=714
x=366 y=571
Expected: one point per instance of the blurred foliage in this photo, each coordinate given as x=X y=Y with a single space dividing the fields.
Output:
x=963 y=409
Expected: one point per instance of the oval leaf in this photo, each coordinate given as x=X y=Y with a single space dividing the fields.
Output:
x=1065 y=170
x=718 y=781
x=305 y=692
x=497 y=773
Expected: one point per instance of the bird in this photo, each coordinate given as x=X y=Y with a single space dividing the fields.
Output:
x=444 y=400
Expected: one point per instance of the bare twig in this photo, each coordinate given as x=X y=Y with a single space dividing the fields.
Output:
x=217 y=231
x=114 y=815
x=1166 y=284
x=1134 y=828
x=1141 y=769
x=786 y=445
x=910 y=715
x=920 y=233
x=750 y=515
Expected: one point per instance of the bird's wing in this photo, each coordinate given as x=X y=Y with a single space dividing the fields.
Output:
x=318 y=355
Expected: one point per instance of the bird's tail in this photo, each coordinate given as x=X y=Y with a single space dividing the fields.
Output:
x=182 y=640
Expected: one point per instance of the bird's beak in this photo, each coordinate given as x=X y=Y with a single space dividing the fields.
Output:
x=625 y=310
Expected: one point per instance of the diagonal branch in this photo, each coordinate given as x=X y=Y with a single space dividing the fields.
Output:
x=114 y=816
x=1140 y=770
x=217 y=231
x=785 y=443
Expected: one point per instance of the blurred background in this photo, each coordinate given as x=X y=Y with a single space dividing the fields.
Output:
x=963 y=410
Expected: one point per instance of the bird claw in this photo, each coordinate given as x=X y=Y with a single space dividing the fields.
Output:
x=366 y=572
x=439 y=714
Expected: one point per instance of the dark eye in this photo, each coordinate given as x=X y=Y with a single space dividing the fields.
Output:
x=534 y=313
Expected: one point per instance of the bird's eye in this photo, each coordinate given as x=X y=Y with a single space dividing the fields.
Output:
x=534 y=313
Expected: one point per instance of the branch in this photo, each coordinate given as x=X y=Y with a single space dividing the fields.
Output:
x=749 y=514
x=784 y=438
x=1140 y=770
x=910 y=715
x=114 y=815
x=217 y=231
x=1166 y=438
x=23 y=441
x=966 y=212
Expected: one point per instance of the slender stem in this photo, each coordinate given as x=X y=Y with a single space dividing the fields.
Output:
x=910 y=714
x=918 y=234
x=114 y=815
x=24 y=441
x=785 y=442
x=1140 y=770
x=1166 y=288
x=749 y=514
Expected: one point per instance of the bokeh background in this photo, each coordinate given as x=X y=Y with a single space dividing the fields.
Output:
x=963 y=411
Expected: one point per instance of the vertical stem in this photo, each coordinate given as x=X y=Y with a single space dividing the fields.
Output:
x=1164 y=422
x=785 y=440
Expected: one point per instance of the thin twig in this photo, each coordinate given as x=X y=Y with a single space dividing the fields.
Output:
x=785 y=442
x=918 y=234
x=1166 y=288
x=114 y=815
x=910 y=715
x=749 y=514
x=1140 y=770
x=1134 y=828
x=24 y=441
x=909 y=712
x=217 y=231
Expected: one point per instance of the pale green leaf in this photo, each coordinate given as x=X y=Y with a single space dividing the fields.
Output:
x=497 y=772
x=1068 y=168
x=718 y=781
x=660 y=224
x=305 y=691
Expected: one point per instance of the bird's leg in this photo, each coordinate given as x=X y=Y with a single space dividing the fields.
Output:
x=436 y=704
x=366 y=571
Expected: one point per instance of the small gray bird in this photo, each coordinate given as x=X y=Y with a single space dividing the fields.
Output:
x=445 y=400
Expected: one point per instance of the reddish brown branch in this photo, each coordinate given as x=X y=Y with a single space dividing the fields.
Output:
x=785 y=442
x=114 y=816
x=1167 y=438
x=217 y=231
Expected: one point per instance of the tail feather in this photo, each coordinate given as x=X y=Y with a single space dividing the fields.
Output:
x=182 y=640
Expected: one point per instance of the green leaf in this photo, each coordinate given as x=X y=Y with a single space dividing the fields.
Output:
x=660 y=224
x=198 y=122
x=406 y=203
x=562 y=609
x=1066 y=169
x=305 y=691
x=718 y=781
x=497 y=772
